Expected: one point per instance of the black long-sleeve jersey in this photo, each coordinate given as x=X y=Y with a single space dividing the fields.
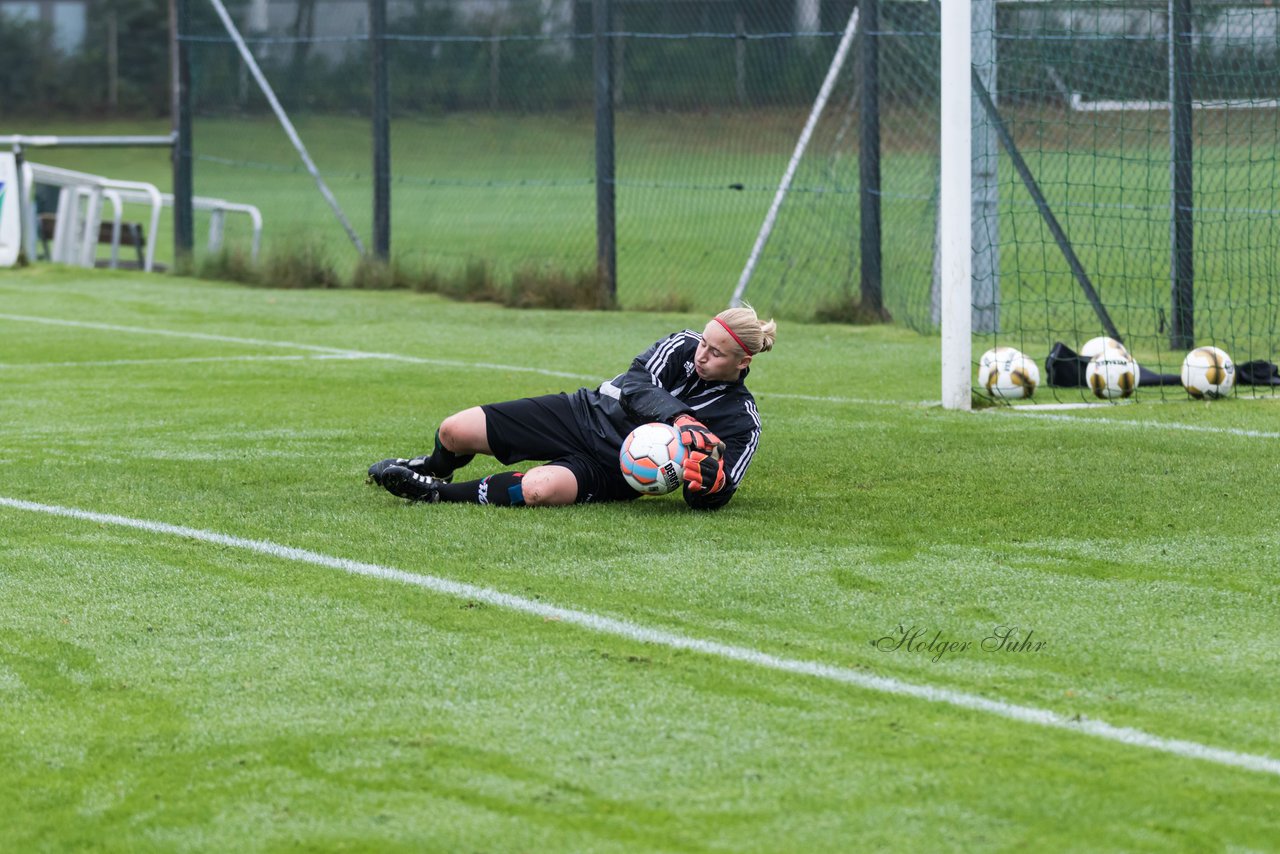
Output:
x=661 y=385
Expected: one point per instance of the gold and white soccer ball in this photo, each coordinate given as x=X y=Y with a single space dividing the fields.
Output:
x=1005 y=373
x=1102 y=345
x=990 y=359
x=1208 y=372
x=1111 y=375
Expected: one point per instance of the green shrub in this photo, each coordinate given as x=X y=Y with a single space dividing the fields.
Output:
x=230 y=265
x=532 y=288
x=849 y=309
x=375 y=274
x=306 y=266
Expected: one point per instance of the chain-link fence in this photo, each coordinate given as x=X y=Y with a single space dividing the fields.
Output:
x=1150 y=131
x=493 y=136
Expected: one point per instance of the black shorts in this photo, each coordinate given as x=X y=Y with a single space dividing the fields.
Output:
x=545 y=428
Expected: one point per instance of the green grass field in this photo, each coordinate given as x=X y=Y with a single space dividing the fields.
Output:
x=216 y=637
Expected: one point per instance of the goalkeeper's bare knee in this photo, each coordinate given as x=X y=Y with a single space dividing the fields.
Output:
x=549 y=486
x=466 y=432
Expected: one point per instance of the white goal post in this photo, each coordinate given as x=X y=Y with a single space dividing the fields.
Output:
x=955 y=263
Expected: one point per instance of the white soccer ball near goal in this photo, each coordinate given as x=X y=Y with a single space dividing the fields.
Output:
x=987 y=364
x=1012 y=376
x=1208 y=372
x=1102 y=346
x=1111 y=375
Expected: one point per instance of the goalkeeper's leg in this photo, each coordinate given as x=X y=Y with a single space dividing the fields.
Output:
x=504 y=489
x=541 y=486
x=461 y=436
x=456 y=445
x=550 y=486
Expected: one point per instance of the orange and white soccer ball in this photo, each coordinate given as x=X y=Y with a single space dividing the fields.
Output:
x=652 y=458
x=1112 y=375
x=1208 y=372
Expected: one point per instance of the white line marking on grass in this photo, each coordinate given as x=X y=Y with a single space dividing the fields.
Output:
x=169 y=333
x=394 y=357
x=109 y=363
x=1151 y=425
x=342 y=353
x=337 y=352
x=313 y=348
x=644 y=634
x=854 y=400
x=1047 y=407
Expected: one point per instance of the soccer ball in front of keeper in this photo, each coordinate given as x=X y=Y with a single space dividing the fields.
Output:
x=1112 y=375
x=652 y=458
x=1102 y=346
x=1012 y=376
x=1208 y=372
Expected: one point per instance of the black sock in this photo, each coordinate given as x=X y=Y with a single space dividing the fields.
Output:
x=501 y=489
x=444 y=462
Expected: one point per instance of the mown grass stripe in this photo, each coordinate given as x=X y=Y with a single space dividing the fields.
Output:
x=457 y=363
x=635 y=632
x=1147 y=424
x=292 y=345
x=337 y=352
x=192 y=360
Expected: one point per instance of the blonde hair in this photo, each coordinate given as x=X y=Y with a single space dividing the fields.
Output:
x=756 y=335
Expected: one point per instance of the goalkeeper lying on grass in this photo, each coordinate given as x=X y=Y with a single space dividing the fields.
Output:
x=689 y=379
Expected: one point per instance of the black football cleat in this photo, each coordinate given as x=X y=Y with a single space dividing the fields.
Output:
x=407 y=483
x=376 y=470
x=417 y=464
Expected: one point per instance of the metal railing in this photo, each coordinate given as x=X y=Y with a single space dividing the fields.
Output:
x=78 y=220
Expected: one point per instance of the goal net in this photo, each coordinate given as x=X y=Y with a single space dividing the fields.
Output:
x=809 y=261
x=1134 y=186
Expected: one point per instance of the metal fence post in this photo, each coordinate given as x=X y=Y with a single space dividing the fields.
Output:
x=1182 y=332
x=869 y=157
x=183 y=183
x=381 y=130
x=606 y=222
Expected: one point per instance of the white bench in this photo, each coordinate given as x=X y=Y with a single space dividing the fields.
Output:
x=78 y=225
x=78 y=221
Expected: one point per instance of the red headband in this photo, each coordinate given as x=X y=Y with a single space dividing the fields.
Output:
x=734 y=336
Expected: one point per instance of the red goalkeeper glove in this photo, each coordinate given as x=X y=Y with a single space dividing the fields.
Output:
x=704 y=472
x=695 y=436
